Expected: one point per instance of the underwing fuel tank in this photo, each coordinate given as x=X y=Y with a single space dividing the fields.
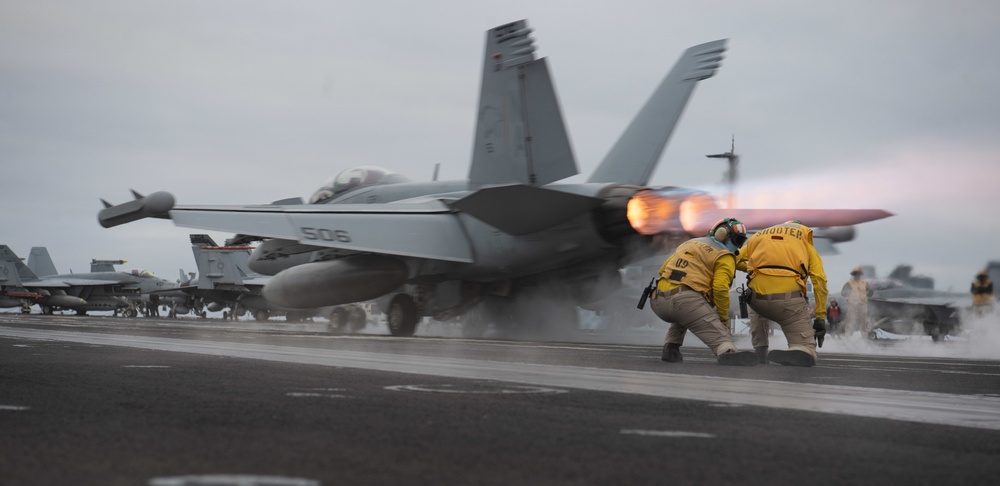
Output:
x=64 y=301
x=6 y=302
x=216 y=306
x=335 y=282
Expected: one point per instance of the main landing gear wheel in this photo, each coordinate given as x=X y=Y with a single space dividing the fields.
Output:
x=357 y=318
x=130 y=313
x=261 y=315
x=402 y=316
x=338 y=319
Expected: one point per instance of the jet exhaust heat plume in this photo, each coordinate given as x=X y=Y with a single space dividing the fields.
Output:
x=669 y=210
x=673 y=210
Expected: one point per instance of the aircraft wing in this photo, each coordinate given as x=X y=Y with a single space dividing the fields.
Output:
x=61 y=282
x=428 y=229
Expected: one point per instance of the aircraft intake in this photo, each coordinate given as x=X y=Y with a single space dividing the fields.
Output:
x=336 y=282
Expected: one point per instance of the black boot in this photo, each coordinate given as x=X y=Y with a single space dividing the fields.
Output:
x=738 y=358
x=761 y=354
x=791 y=358
x=672 y=353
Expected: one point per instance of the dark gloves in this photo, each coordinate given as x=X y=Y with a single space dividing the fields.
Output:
x=819 y=325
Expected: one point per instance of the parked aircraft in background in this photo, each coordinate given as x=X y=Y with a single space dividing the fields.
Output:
x=904 y=303
x=80 y=292
x=506 y=244
x=226 y=284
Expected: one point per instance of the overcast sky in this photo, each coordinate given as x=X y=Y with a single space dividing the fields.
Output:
x=885 y=104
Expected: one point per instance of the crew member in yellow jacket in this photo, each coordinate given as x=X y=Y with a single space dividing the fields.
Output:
x=857 y=292
x=982 y=294
x=693 y=280
x=779 y=260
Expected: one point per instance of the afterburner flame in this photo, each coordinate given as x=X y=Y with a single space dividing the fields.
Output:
x=693 y=211
x=655 y=211
x=647 y=211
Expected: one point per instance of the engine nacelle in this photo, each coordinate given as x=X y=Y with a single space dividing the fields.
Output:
x=336 y=282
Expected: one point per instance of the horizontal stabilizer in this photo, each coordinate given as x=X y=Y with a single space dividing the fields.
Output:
x=520 y=210
x=755 y=219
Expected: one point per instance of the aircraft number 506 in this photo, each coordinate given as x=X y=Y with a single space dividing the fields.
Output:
x=324 y=234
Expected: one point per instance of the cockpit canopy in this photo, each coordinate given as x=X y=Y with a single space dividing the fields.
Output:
x=366 y=175
x=138 y=272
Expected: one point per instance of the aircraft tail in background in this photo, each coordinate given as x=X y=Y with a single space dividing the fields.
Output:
x=220 y=264
x=12 y=270
x=40 y=262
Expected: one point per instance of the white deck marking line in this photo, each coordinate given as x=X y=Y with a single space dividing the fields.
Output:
x=975 y=411
x=668 y=433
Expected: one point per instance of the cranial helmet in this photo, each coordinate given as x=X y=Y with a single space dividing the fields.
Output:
x=794 y=221
x=731 y=229
x=857 y=271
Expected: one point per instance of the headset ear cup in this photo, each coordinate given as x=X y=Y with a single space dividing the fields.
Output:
x=721 y=233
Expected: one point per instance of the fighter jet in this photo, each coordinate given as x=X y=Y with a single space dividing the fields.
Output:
x=153 y=290
x=101 y=290
x=226 y=283
x=903 y=303
x=510 y=244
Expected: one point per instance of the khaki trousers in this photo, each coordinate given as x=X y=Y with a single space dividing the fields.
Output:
x=792 y=314
x=689 y=311
x=857 y=320
x=760 y=329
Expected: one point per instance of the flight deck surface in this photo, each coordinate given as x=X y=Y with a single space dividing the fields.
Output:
x=129 y=401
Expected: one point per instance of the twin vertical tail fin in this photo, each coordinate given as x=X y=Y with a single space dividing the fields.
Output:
x=13 y=272
x=220 y=264
x=520 y=135
x=636 y=154
x=40 y=262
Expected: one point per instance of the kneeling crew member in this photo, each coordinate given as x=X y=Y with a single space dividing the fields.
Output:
x=780 y=258
x=695 y=278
